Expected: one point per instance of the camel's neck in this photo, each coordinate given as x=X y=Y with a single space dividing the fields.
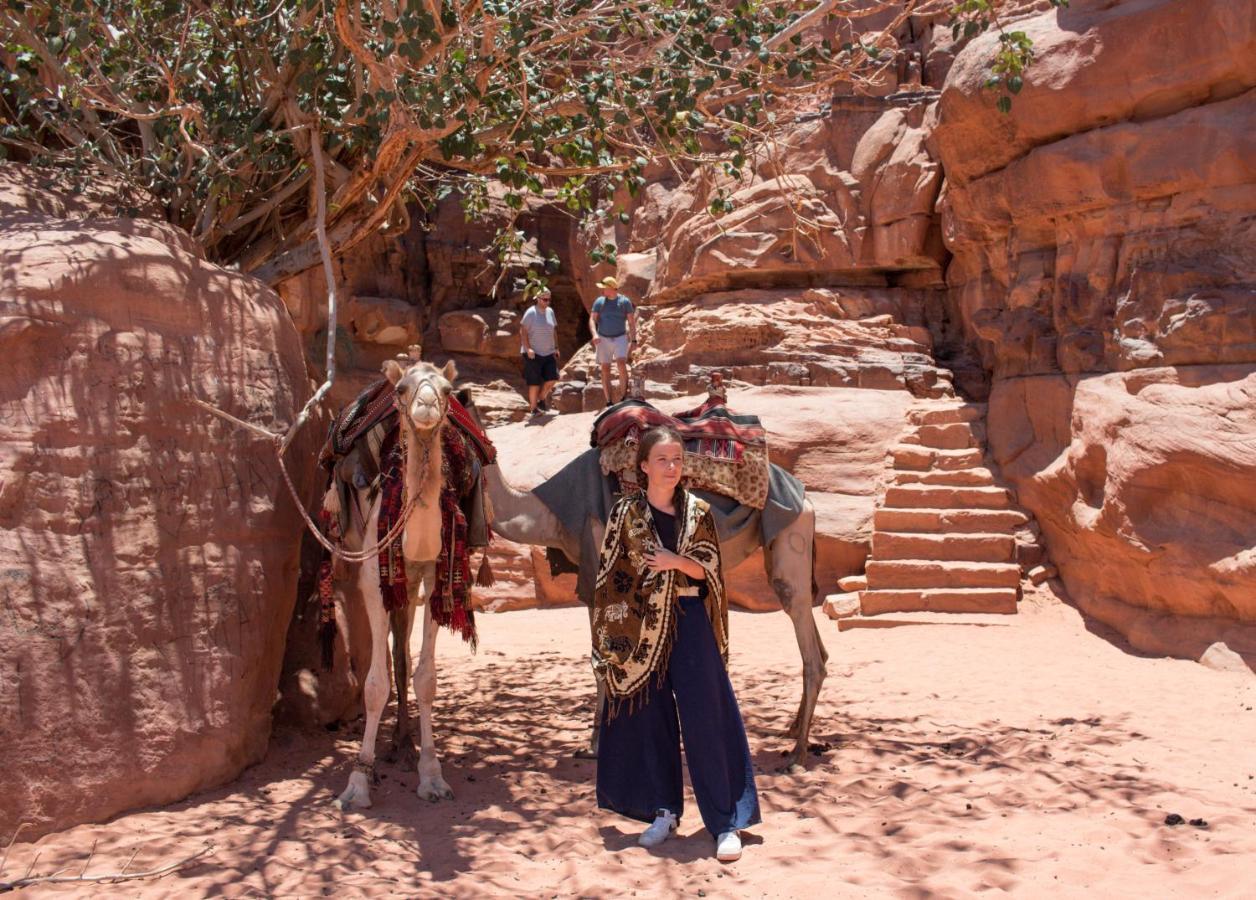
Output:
x=520 y=516
x=423 y=464
x=423 y=479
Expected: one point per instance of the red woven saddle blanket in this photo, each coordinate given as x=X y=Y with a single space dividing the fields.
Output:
x=711 y=429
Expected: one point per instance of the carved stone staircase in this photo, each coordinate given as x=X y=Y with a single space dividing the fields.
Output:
x=946 y=536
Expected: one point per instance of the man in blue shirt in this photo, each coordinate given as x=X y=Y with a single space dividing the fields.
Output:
x=613 y=323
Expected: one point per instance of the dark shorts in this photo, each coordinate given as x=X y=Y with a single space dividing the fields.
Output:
x=540 y=369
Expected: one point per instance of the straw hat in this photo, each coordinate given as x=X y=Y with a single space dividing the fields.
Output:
x=609 y=282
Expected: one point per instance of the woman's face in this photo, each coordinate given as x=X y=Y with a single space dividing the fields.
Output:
x=664 y=465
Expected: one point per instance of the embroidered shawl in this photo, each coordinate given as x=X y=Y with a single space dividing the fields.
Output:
x=634 y=611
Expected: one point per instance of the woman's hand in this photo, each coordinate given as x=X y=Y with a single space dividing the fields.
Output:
x=662 y=560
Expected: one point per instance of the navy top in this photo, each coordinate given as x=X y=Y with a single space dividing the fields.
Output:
x=612 y=315
x=669 y=535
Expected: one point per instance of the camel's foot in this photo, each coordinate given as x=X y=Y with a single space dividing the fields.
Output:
x=357 y=795
x=795 y=761
x=433 y=788
x=403 y=753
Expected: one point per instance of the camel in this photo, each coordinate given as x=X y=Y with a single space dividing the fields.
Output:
x=423 y=398
x=520 y=516
x=423 y=393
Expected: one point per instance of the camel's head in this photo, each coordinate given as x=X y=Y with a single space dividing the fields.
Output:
x=422 y=391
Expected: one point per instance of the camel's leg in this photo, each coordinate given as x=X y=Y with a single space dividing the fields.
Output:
x=401 y=749
x=789 y=562
x=595 y=733
x=431 y=785
x=598 y=705
x=375 y=692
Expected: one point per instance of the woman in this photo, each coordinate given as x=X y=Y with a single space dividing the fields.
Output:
x=660 y=646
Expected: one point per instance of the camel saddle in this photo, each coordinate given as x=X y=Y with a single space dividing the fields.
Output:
x=725 y=452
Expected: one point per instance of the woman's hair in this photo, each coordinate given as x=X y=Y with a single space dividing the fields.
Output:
x=659 y=434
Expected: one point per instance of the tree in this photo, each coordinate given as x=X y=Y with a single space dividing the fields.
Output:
x=218 y=108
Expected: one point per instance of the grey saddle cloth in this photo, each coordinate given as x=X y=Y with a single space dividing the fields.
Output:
x=580 y=495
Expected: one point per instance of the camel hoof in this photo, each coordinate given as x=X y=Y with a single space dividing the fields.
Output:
x=434 y=789
x=793 y=764
x=356 y=796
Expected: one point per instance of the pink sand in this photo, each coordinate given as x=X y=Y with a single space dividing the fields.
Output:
x=1019 y=754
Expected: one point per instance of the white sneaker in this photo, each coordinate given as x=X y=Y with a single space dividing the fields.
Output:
x=728 y=847
x=662 y=828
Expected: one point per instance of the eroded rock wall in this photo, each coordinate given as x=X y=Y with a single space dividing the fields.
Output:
x=1104 y=270
x=149 y=551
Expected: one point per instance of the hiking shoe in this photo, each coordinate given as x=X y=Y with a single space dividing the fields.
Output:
x=661 y=829
x=728 y=847
x=542 y=406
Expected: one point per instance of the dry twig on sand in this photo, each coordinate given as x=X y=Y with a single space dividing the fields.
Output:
x=104 y=878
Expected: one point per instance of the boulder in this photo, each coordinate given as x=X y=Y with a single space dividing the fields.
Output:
x=823 y=337
x=483 y=332
x=150 y=549
x=383 y=320
x=1144 y=485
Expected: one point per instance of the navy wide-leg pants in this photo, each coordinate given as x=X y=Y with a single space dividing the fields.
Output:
x=638 y=765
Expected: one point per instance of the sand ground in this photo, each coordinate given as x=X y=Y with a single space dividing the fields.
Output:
x=1018 y=754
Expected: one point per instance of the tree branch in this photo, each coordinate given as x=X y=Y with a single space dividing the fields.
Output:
x=104 y=878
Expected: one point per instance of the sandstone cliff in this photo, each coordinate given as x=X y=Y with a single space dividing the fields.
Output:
x=1104 y=270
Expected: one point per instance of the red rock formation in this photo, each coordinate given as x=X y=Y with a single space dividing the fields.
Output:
x=1144 y=484
x=149 y=550
x=1104 y=271
x=847 y=195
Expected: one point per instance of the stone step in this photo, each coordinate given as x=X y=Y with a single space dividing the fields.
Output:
x=955 y=477
x=841 y=606
x=853 y=583
x=955 y=436
x=887 y=574
x=928 y=496
x=946 y=415
x=955 y=521
x=907 y=456
x=993 y=548
x=979 y=600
